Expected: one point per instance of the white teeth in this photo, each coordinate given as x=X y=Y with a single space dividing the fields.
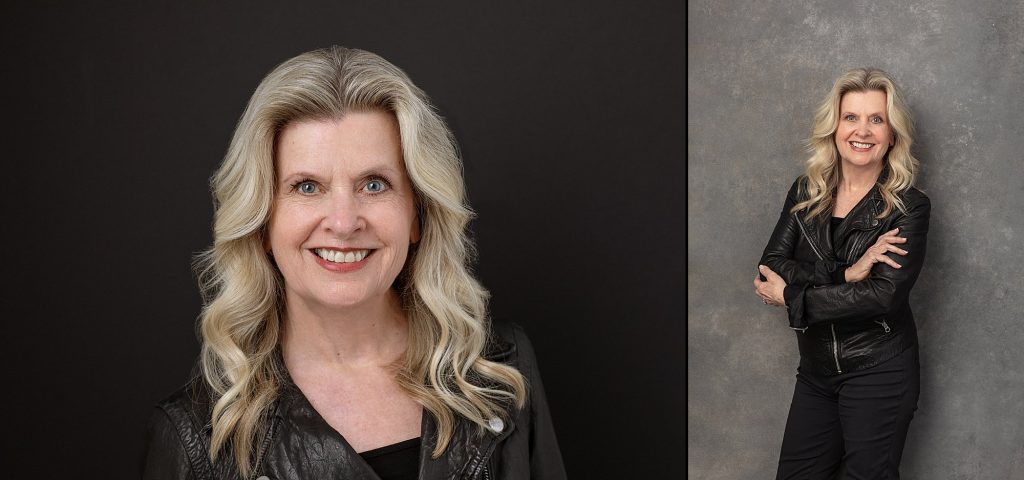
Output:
x=341 y=257
x=862 y=145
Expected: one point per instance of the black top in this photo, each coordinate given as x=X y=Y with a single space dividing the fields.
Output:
x=835 y=227
x=398 y=461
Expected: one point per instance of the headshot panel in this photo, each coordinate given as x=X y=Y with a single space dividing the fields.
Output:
x=348 y=239
x=850 y=311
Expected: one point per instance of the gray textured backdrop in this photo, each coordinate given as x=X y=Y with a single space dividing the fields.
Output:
x=757 y=69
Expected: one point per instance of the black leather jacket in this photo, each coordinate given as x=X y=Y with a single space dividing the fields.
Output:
x=301 y=445
x=844 y=327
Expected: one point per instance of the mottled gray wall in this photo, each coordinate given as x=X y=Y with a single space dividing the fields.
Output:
x=756 y=71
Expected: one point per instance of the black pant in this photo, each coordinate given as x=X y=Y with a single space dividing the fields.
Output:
x=859 y=417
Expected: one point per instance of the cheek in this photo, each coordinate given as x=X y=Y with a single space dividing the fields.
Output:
x=285 y=227
x=841 y=133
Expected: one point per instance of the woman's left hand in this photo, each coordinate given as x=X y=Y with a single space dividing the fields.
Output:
x=771 y=290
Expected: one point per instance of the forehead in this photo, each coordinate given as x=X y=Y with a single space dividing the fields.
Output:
x=873 y=101
x=359 y=139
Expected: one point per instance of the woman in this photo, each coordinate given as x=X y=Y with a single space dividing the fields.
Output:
x=848 y=247
x=343 y=335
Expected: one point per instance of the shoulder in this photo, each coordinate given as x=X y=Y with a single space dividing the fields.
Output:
x=186 y=411
x=509 y=344
x=798 y=190
x=914 y=196
x=175 y=446
x=916 y=203
x=192 y=399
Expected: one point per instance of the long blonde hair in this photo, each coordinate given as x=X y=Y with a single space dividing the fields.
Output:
x=824 y=172
x=241 y=321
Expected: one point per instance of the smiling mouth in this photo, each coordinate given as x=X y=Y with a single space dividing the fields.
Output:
x=861 y=145
x=336 y=256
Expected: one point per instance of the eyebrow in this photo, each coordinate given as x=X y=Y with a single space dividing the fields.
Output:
x=379 y=170
x=880 y=114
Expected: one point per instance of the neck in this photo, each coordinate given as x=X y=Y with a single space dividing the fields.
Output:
x=859 y=179
x=374 y=334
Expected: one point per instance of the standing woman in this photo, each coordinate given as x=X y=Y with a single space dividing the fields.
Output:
x=847 y=249
x=343 y=335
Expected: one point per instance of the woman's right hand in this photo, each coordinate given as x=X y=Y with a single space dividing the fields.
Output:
x=875 y=254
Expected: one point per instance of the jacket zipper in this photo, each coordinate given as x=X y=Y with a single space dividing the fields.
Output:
x=835 y=340
x=884 y=325
x=810 y=241
x=835 y=348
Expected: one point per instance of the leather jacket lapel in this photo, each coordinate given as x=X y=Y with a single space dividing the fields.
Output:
x=864 y=215
x=817 y=233
x=305 y=446
x=299 y=431
x=468 y=452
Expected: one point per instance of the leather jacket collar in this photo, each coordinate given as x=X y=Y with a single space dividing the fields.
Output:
x=298 y=444
x=863 y=216
x=296 y=422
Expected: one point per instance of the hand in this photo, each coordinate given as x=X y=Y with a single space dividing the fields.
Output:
x=771 y=290
x=876 y=254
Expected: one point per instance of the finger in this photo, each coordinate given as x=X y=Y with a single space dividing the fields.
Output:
x=895 y=249
x=892 y=263
x=767 y=272
x=892 y=239
x=891 y=234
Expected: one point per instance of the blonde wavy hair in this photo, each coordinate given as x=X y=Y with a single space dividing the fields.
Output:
x=824 y=171
x=241 y=322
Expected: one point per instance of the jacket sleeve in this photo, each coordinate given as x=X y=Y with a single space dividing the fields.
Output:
x=778 y=254
x=885 y=289
x=545 y=456
x=165 y=457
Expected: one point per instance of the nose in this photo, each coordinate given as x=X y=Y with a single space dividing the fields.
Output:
x=863 y=129
x=343 y=214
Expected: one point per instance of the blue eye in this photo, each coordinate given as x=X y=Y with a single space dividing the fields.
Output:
x=850 y=117
x=376 y=185
x=876 y=119
x=306 y=187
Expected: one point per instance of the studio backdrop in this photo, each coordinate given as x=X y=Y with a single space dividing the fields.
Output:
x=569 y=116
x=756 y=72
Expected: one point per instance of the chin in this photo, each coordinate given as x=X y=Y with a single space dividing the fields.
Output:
x=860 y=162
x=342 y=300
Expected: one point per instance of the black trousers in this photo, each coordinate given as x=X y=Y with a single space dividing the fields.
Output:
x=860 y=417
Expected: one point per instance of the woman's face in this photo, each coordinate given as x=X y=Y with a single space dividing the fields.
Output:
x=864 y=135
x=344 y=213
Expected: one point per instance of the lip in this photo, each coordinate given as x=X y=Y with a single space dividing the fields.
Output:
x=342 y=267
x=857 y=149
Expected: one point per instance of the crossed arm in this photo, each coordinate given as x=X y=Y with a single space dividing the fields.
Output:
x=819 y=291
